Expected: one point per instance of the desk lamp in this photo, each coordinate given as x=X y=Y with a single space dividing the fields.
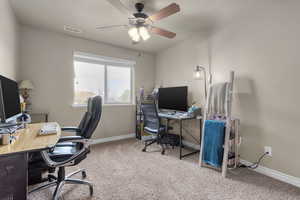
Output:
x=25 y=86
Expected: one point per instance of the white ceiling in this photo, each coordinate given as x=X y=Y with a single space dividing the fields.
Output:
x=195 y=16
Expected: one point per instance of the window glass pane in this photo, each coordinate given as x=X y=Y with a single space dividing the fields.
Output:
x=118 y=84
x=89 y=81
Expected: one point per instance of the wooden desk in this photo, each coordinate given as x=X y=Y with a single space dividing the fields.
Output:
x=14 y=160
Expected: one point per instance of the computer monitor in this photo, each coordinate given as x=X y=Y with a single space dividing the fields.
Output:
x=9 y=99
x=173 y=98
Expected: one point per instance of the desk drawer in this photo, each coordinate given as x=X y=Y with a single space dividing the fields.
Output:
x=13 y=177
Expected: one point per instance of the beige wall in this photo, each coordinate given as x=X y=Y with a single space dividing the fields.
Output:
x=47 y=60
x=8 y=41
x=263 y=49
x=174 y=67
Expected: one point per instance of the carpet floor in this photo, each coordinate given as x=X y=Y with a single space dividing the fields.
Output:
x=121 y=171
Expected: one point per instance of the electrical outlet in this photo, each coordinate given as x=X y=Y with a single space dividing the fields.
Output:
x=268 y=150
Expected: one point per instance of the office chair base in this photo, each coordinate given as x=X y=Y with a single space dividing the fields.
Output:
x=83 y=173
x=152 y=141
x=61 y=180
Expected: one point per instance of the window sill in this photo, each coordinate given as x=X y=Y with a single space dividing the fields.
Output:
x=104 y=105
x=78 y=105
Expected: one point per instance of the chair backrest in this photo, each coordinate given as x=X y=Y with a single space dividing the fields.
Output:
x=151 y=118
x=86 y=117
x=91 y=118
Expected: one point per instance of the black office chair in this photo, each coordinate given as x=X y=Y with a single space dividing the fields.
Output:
x=69 y=151
x=152 y=125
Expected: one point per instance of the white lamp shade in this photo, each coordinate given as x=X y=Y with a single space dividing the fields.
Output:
x=26 y=84
x=21 y=99
x=134 y=34
x=199 y=73
x=138 y=33
x=144 y=33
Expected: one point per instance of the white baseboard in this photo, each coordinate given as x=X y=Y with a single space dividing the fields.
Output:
x=132 y=135
x=275 y=174
x=261 y=169
x=111 y=139
x=146 y=137
x=191 y=145
x=184 y=142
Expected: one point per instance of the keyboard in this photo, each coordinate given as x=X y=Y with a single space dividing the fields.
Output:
x=49 y=128
x=10 y=128
x=176 y=115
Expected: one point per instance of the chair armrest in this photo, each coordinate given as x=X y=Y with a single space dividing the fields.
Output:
x=70 y=129
x=70 y=138
x=74 y=139
x=65 y=141
x=65 y=144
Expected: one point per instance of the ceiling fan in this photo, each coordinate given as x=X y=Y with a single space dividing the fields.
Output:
x=140 y=24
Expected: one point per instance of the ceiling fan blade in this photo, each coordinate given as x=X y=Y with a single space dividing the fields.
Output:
x=165 y=12
x=162 y=32
x=120 y=6
x=111 y=26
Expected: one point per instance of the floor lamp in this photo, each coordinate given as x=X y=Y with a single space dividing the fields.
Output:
x=197 y=76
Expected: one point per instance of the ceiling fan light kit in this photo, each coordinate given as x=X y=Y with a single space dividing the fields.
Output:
x=140 y=24
x=144 y=33
x=136 y=33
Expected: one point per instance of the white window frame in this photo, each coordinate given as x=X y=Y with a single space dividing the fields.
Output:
x=105 y=61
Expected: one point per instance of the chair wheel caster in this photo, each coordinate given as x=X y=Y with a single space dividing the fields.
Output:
x=83 y=173
x=143 y=150
x=91 y=191
x=163 y=153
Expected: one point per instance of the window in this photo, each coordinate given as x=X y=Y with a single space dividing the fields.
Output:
x=118 y=84
x=110 y=78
